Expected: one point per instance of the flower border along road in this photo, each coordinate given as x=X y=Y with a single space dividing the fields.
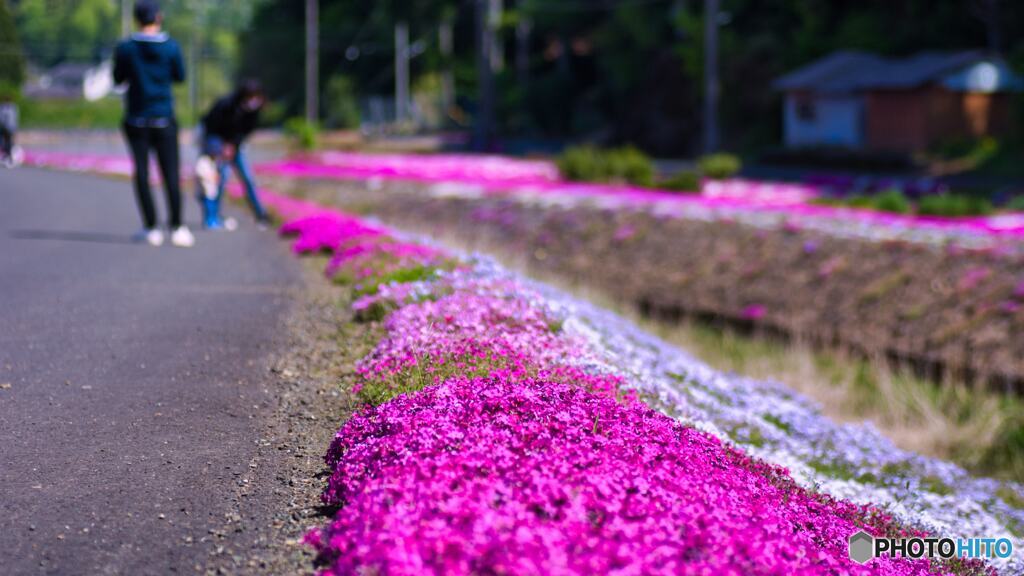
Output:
x=506 y=430
x=483 y=377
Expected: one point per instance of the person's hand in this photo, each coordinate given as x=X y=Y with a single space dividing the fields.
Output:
x=229 y=152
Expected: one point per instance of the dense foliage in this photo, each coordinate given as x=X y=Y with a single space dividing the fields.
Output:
x=614 y=72
x=619 y=71
x=617 y=165
x=12 y=65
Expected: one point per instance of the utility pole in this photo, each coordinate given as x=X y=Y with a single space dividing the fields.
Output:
x=401 y=72
x=312 y=61
x=523 y=29
x=195 y=50
x=992 y=25
x=126 y=17
x=446 y=43
x=679 y=8
x=486 y=23
x=496 y=9
x=712 y=87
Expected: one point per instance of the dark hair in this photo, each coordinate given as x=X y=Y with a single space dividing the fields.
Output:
x=146 y=12
x=249 y=88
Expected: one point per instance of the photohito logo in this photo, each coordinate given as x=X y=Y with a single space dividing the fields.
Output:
x=864 y=547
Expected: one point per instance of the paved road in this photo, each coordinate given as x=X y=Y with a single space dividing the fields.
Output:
x=130 y=377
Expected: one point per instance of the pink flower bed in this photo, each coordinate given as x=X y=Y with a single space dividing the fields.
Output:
x=514 y=452
x=466 y=325
x=498 y=175
x=519 y=476
x=326 y=232
x=501 y=175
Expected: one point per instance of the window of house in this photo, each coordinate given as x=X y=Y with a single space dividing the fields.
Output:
x=806 y=111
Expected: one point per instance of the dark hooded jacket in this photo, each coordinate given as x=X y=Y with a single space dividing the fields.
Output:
x=150 y=64
x=229 y=120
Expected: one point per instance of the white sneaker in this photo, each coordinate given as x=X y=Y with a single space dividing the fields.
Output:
x=182 y=237
x=151 y=236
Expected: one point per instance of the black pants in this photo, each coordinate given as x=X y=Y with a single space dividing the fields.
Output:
x=6 y=142
x=161 y=137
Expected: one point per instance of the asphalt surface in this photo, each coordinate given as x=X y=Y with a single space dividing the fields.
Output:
x=133 y=380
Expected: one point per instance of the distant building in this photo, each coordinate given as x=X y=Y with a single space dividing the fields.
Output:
x=863 y=101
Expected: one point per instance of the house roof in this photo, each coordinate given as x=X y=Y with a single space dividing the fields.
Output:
x=851 y=71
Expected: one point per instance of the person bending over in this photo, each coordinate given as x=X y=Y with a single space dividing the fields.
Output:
x=149 y=62
x=225 y=128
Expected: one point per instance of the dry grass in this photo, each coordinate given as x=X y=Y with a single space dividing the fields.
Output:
x=947 y=420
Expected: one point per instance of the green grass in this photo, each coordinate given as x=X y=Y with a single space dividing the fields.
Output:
x=954 y=205
x=685 y=181
x=71 y=114
x=838 y=470
x=936 y=486
x=417 y=377
x=400 y=276
x=777 y=422
x=1011 y=497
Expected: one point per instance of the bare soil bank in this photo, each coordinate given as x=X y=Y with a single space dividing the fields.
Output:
x=943 y=312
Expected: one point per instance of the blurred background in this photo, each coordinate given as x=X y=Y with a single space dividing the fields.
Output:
x=674 y=78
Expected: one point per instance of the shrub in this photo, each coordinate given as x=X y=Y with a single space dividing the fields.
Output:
x=304 y=134
x=975 y=152
x=719 y=166
x=9 y=92
x=892 y=201
x=860 y=201
x=686 y=181
x=630 y=165
x=342 y=106
x=954 y=205
x=589 y=164
x=12 y=61
x=581 y=164
x=1016 y=203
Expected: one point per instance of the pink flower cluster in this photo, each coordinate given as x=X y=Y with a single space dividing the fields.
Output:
x=465 y=325
x=539 y=465
x=326 y=231
x=366 y=256
x=511 y=475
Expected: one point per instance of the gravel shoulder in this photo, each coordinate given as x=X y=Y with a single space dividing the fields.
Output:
x=278 y=498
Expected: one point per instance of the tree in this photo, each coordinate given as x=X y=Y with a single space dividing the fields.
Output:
x=12 y=61
x=619 y=71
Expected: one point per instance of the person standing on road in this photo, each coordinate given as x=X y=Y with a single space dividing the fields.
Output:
x=150 y=62
x=225 y=128
x=8 y=128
